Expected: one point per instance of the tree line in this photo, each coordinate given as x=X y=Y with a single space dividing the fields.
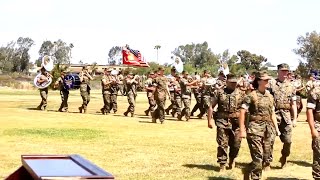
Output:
x=15 y=57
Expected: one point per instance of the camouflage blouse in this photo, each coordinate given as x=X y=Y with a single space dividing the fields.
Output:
x=260 y=107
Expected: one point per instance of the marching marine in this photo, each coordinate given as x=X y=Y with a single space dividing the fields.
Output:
x=44 y=77
x=161 y=92
x=150 y=94
x=131 y=87
x=106 y=91
x=64 y=93
x=229 y=101
x=286 y=110
x=85 y=88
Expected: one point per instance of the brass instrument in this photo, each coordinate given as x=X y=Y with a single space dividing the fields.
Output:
x=47 y=64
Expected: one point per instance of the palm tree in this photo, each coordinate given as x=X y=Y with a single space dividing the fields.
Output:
x=157 y=47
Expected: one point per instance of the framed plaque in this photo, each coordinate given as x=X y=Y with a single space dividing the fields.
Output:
x=49 y=167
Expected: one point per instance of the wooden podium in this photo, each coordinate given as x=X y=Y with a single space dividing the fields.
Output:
x=50 y=167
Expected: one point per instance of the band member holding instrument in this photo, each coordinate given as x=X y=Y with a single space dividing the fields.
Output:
x=64 y=93
x=85 y=78
x=44 y=91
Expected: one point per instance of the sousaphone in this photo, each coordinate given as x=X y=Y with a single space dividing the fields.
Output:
x=47 y=64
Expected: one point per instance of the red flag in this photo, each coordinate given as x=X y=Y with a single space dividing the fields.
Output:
x=133 y=58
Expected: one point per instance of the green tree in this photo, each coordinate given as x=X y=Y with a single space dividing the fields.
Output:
x=115 y=55
x=157 y=47
x=60 y=50
x=198 y=55
x=251 y=61
x=309 y=50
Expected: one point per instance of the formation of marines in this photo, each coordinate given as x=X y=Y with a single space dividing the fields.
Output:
x=258 y=108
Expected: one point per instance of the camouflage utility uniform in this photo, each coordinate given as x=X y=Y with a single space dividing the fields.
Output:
x=177 y=98
x=205 y=97
x=226 y=119
x=150 y=95
x=131 y=87
x=186 y=97
x=172 y=105
x=313 y=103
x=85 y=93
x=284 y=96
x=106 y=94
x=114 y=94
x=64 y=93
x=161 y=84
x=197 y=96
x=260 y=130
x=43 y=95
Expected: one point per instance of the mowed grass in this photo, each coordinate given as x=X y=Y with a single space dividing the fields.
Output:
x=129 y=148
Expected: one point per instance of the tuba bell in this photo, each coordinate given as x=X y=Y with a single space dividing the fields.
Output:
x=47 y=64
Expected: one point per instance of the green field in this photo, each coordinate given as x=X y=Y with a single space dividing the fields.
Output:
x=129 y=148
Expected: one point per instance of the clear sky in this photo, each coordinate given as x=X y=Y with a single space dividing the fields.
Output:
x=266 y=27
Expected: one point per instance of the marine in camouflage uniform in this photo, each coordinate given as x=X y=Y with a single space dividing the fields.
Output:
x=150 y=94
x=197 y=95
x=44 y=91
x=229 y=101
x=85 y=88
x=121 y=84
x=161 y=92
x=177 y=96
x=106 y=91
x=313 y=118
x=186 y=84
x=299 y=87
x=206 y=92
x=114 y=93
x=64 y=93
x=262 y=125
x=172 y=105
x=285 y=108
x=131 y=87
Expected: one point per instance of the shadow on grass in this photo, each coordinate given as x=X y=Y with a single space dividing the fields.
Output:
x=220 y=178
x=34 y=109
x=146 y=122
x=284 y=178
x=203 y=166
x=301 y=163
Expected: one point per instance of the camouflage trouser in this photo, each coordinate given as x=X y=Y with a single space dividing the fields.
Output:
x=114 y=104
x=44 y=96
x=132 y=101
x=228 y=138
x=178 y=104
x=159 y=114
x=121 y=89
x=85 y=99
x=205 y=101
x=260 y=150
x=107 y=103
x=299 y=105
x=198 y=105
x=173 y=104
x=286 y=134
x=152 y=105
x=316 y=157
x=64 y=100
x=186 y=110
